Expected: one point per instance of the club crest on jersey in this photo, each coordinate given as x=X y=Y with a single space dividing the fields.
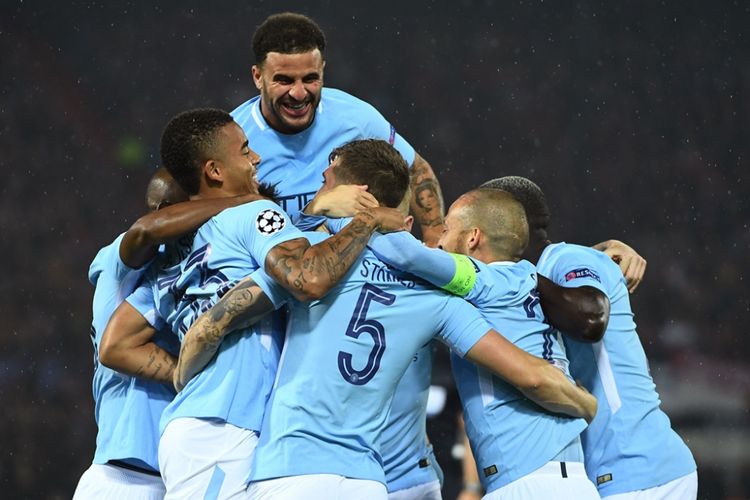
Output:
x=583 y=272
x=269 y=221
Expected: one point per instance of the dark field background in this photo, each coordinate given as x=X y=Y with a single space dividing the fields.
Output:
x=634 y=117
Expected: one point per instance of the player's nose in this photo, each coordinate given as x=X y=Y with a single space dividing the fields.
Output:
x=298 y=92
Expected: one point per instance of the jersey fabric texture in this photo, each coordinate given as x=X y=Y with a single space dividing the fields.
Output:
x=295 y=162
x=407 y=460
x=510 y=435
x=235 y=385
x=127 y=409
x=630 y=445
x=342 y=359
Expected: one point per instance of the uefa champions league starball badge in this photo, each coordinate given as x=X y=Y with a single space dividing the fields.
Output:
x=269 y=221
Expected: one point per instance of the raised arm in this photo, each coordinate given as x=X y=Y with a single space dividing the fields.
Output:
x=536 y=378
x=241 y=306
x=632 y=265
x=582 y=312
x=309 y=271
x=427 y=204
x=141 y=241
x=127 y=346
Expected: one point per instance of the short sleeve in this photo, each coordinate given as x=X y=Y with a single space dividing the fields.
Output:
x=264 y=225
x=462 y=325
x=142 y=300
x=276 y=293
x=377 y=127
x=574 y=267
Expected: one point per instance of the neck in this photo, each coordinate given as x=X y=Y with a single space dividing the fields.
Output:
x=488 y=256
x=535 y=249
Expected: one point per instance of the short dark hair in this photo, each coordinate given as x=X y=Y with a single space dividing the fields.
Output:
x=287 y=33
x=528 y=194
x=377 y=164
x=188 y=141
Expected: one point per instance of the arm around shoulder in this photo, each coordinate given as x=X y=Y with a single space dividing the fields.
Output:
x=536 y=378
x=128 y=348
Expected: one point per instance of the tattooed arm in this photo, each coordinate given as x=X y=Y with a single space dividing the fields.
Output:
x=308 y=272
x=127 y=347
x=427 y=201
x=241 y=306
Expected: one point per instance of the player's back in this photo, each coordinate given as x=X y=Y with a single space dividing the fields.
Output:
x=127 y=409
x=235 y=384
x=630 y=445
x=407 y=458
x=510 y=435
x=343 y=357
x=294 y=163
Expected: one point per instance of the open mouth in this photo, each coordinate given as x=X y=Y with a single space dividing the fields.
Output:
x=296 y=109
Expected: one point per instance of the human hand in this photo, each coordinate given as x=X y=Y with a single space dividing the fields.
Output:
x=341 y=201
x=632 y=265
x=388 y=220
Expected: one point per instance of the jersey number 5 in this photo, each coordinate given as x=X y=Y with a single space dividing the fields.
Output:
x=358 y=325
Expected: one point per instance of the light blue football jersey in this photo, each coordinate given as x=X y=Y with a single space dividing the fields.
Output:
x=343 y=356
x=630 y=445
x=295 y=162
x=235 y=385
x=510 y=435
x=407 y=460
x=127 y=409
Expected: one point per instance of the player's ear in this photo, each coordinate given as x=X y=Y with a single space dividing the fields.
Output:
x=472 y=241
x=257 y=77
x=409 y=222
x=212 y=171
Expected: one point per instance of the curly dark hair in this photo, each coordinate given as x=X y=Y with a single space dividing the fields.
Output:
x=528 y=194
x=287 y=33
x=377 y=164
x=187 y=142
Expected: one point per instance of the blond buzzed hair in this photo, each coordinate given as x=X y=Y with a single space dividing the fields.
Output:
x=500 y=217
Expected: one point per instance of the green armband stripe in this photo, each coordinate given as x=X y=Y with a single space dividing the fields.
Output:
x=464 y=278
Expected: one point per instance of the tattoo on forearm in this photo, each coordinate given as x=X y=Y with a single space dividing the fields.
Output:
x=295 y=264
x=158 y=366
x=238 y=306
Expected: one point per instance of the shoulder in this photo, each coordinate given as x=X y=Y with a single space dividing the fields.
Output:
x=244 y=107
x=570 y=261
x=344 y=102
x=243 y=114
x=106 y=258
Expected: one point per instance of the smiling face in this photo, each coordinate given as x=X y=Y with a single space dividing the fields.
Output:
x=238 y=163
x=290 y=86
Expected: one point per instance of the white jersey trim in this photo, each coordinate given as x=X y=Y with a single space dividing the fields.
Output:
x=256 y=116
x=608 y=378
x=486 y=387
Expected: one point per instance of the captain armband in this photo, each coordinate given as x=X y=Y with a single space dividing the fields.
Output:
x=464 y=278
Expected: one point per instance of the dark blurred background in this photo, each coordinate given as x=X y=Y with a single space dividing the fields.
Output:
x=634 y=119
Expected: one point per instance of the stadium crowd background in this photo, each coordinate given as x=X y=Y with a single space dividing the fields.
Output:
x=635 y=120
